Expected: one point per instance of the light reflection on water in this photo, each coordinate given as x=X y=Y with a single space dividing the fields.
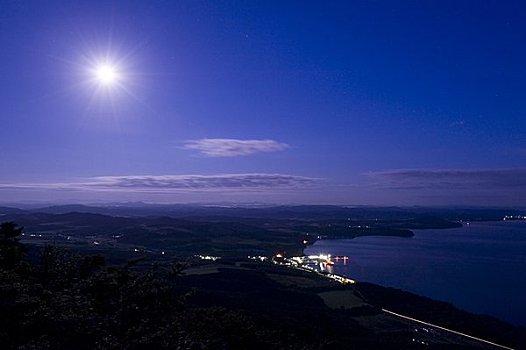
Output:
x=479 y=268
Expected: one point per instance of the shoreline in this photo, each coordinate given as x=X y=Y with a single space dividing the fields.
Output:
x=462 y=256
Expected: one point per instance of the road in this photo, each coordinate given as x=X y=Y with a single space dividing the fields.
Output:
x=446 y=329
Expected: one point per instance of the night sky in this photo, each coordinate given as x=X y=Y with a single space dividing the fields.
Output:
x=312 y=102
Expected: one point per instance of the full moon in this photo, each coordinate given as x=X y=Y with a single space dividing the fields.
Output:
x=106 y=74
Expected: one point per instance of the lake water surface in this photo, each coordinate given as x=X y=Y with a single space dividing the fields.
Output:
x=480 y=267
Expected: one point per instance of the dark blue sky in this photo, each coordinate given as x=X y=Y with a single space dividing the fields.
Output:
x=351 y=102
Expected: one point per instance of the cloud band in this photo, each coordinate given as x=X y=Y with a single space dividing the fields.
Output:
x=233 y=147
x=178 y=183
x=461 y=179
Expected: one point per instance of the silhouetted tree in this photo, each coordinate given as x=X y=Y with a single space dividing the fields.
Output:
x=11 y=251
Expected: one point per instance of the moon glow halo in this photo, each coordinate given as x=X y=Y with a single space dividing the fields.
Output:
x=106 y=74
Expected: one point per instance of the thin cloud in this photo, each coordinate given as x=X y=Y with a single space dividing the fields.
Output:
x=178 y=183
x=459 y=179
x=233 y=147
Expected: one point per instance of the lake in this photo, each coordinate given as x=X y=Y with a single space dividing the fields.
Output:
x=480 y=267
